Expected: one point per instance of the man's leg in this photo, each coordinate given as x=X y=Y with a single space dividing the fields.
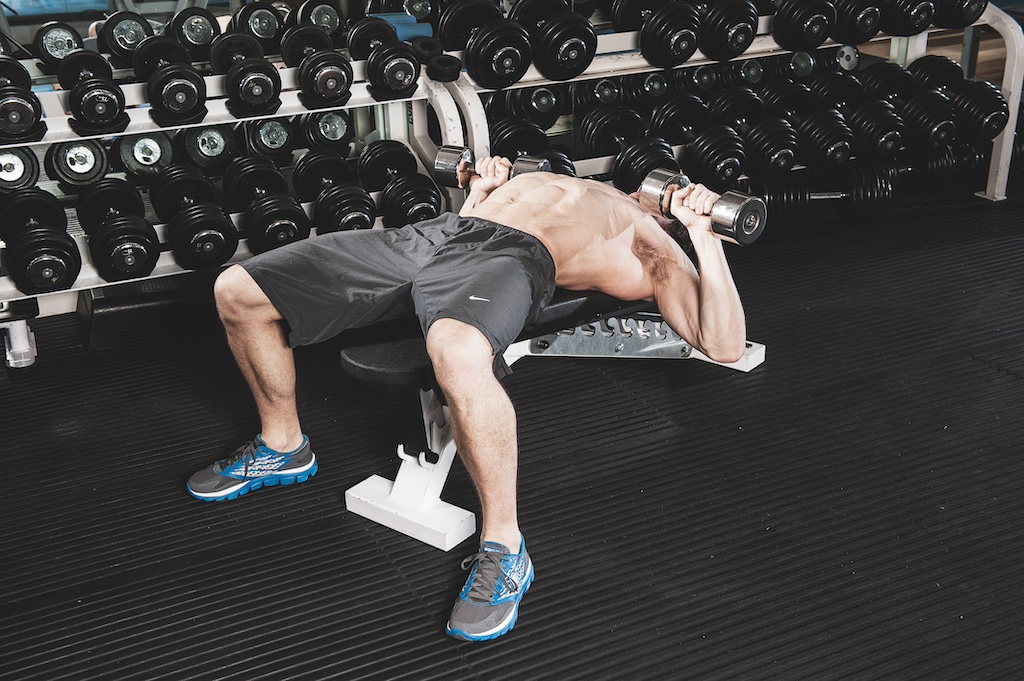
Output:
x=483 y=424
x=281 y=453
x=257 y=340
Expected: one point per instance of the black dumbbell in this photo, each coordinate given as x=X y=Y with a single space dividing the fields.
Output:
x=680 y=119
x=931 y=172
x=937 y=72
x=122 y=243
x=263 y=21
x=748 y=72
x=40 y=255
x=981 y=110
x=802 y=25
x=498 y=54
x=19 y=168
x=649 y=167
x=120 y=34
x=958 y=13
x=422 y=11
x=252 y=84
x=460 y=18
x=211 y=148
x=142 y=156
x=406 y=196
x=174 y=89
x=392 y=67
x=825 y=139
x=699 y=80
x=53 y=41
x=857 y=21
x=201 y=234
x=272 y=217
x=879 y=129
x=587 y=94
x=76 y=164
x=515 y=137
x=21 y=114
x=669 y=31
x=930 y=119
x=856 y=193
x=271 y=138
x=451 y=161
x=324 y=75
x=330 y=181
x=771 y=143
x=96 y=101
x=716 y=152
x=645 y=91
x=366 y=34
x=728 y=28
x=194 y=28
x=324 y=14
x=563 y=42
x=906 y=17
x=326 y=130
x=541 y=105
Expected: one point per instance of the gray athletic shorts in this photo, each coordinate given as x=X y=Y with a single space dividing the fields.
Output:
x=479 y=272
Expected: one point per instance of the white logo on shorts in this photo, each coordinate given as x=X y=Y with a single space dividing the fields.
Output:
x=486 y=300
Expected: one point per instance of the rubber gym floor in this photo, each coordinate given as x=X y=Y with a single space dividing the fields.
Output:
x=849 y=510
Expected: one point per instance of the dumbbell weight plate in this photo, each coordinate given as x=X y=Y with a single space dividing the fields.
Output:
x=273 y=221
x=444 y=68
x=321 y=13
x=43 y=259
x=262 y=21
x=253 y=87
x=13 y=73
x=772 y=145
x=210 y=148
x=461 y=18
x=409 y=199
x=325 y=79
x=423 y=11
x=121 y=33
x=54 y=40
x=728 y=29
x=382 y=160
x=177 y=186
x=125 y=247
x=30 y=205
x=318 y=170
x=635 y=162
x=857 y=21
x=907 y=17
x=541 y=105
x=230 y=48
x=202 y=237
x=20 y=116
x=680 y=119
x=604 y=129
x=426 y=47
x=512 y=137
x=392 y=71
x=107 y=198
x=177 y=95
x=195 y=28
x=301 y=41
x=498 y=54
x=958 y=13
x=75 y=164
x=19 y=168
x=669 y=36
x=803 y=25
x=327 y=130
x=343 y=208
x=144 y=155
x=80 y=65
x=716 y=155
x=249 y=178
x=367 y=34
x=271 y=138
x=564 y=46
x=156 y=52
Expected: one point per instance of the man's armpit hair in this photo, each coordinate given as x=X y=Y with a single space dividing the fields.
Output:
x=655 y=260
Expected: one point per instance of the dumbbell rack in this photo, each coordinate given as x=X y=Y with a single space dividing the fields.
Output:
x=462 y=119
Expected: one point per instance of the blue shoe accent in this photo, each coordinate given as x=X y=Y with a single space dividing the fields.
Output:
x=251 y=466
x=488 y=605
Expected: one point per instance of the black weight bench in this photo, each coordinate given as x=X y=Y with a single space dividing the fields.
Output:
x=577 y=324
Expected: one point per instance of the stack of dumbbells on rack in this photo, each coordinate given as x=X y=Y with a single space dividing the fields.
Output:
x=198 y=160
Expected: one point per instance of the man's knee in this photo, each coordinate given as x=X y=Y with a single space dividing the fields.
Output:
x=458 y=350
x=238 y=295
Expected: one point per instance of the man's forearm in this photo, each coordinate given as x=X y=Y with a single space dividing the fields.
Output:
x=723 y=330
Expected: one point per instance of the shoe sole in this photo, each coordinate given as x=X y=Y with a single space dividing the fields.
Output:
x=265 y=481
x=464 y=636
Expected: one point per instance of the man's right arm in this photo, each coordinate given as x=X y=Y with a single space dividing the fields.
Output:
x=490 y=173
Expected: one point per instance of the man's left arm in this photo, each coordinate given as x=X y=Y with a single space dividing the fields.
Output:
x=490 y=173
x=707 y=306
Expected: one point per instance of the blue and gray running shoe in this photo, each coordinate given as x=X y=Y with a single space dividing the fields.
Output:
x=488 y=605
x=252 y=466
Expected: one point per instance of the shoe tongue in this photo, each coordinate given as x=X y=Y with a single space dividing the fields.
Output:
x=493 y=547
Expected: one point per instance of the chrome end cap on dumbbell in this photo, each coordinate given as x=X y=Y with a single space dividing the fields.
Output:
x=739 y=217
x=446 y=163
x=656 y=190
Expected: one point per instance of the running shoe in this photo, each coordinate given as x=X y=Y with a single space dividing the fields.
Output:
x=488 y=604
x=251 y=466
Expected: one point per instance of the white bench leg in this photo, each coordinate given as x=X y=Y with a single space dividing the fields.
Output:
x=412 y=503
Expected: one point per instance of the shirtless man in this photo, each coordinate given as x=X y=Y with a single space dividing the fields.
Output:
x=473 y=280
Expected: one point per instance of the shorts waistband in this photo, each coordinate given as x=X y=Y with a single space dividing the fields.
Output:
x=527 y=235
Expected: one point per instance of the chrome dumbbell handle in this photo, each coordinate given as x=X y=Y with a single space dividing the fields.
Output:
x=450 y=159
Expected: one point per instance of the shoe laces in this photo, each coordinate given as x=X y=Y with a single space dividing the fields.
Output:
x=246 y=452
x=489 y=572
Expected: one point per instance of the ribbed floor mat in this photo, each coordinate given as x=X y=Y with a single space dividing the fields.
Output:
x=849 y=510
